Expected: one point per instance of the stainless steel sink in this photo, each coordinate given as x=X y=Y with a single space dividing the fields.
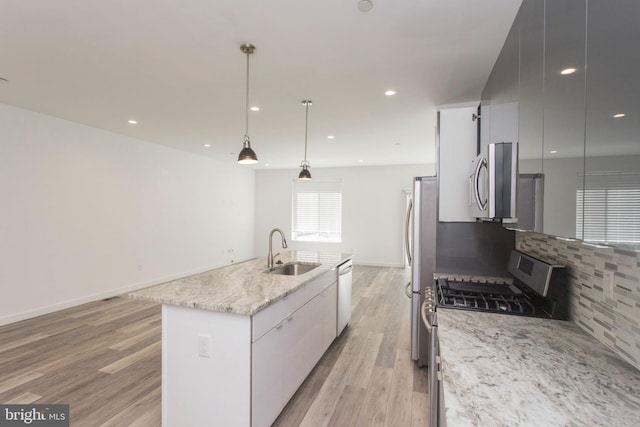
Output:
x=293 y=268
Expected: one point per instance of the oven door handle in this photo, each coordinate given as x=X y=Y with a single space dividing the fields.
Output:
x=426 y=322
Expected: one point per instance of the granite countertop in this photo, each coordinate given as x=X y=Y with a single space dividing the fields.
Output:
x=502 y=370
x=244 y=288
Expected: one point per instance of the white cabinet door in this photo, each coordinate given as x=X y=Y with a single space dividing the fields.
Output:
x=295 y=368
x=314 y=331
x=457 y=148
x=330 y=315
x=284 y=356
x=267 y=377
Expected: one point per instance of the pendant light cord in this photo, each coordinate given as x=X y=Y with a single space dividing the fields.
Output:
x=246 y=110
x=306 y=126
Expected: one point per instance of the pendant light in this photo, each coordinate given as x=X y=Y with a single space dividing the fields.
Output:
x=247 y=156
x=304 y=173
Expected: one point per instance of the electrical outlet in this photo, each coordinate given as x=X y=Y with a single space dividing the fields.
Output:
x=608 y=282
x=204 y=345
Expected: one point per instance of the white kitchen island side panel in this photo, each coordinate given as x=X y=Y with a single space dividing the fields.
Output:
x=203 y=391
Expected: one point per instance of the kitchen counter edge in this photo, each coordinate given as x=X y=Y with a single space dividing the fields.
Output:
x=244 y=288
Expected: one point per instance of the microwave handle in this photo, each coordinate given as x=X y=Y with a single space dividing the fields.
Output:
x=482 y=205
x=407 y=231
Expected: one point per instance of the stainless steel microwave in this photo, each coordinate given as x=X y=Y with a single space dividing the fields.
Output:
x=493 y=183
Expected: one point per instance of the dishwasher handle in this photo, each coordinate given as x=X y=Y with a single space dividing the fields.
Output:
x=345 y=270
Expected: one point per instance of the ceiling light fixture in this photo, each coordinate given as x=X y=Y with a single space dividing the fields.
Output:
x=207 y=145
x=247 y=156
x=304 y=173
x=365 y=5
x=132 y=122
x=390 y=92
x=331 y=137
x=254 y=108
x=619 y=115
x=568 y=71
x=553 y=151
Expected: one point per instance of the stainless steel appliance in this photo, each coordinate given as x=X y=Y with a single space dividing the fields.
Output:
x=436 y=390
x=539 y=289
x=493 y=182
x=345 y=273
x=420 y=236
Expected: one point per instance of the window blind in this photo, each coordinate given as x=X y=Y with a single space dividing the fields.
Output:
x=611 y=205
x=317 y=211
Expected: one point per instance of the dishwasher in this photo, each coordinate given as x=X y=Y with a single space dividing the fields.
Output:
x=345 y=272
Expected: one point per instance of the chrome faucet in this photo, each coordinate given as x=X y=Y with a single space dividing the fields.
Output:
x=270 y=256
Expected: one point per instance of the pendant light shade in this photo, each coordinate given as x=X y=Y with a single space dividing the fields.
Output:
x=305 y=173
x=247 y=156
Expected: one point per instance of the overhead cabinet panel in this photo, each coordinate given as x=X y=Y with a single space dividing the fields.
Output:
x=457 y=146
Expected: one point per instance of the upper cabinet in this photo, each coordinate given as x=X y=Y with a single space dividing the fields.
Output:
x=457 y=147
x=531 y=26
x=500 y=97
x=563 y=113
x=574 y=89
x=611 y=196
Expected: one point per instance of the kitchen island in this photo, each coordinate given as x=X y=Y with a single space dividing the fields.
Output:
x=504 y=370
x=237 y=341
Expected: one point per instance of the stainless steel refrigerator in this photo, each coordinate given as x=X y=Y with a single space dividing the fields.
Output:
x=420 y=237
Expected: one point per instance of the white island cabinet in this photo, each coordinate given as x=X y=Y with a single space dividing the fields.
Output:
x=284 y=356
x=238 y=342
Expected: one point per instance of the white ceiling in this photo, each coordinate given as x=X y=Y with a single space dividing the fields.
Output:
x=176 y=67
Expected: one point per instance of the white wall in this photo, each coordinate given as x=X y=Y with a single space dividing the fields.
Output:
x=88 y=214
x=373 y=210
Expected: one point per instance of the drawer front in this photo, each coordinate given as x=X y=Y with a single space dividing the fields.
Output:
x=268 y=318
x=319 y=284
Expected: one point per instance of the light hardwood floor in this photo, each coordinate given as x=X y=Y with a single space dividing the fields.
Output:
x=103 y=359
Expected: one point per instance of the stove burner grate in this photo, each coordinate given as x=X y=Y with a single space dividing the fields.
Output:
x=485 y=297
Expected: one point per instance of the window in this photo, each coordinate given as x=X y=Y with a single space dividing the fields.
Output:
x=317 y=211
x=611 y=202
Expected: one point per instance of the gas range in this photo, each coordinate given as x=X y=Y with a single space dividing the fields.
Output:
x=539 y=289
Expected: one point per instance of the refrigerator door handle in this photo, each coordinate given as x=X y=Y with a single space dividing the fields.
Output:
x=406 y=232
x=407 y=291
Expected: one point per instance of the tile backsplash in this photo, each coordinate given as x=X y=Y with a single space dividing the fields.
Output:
x=610 y=314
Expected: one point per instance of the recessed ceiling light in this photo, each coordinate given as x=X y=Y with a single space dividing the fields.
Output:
x=255 y=108
x=553 y=151
x=365 y=5
x=207 y=145
x=360 y=161
x=568 y=71
x=390 y=92
x=617 y=116
x=331 y=137
x=132 y=122
x=267 y=164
